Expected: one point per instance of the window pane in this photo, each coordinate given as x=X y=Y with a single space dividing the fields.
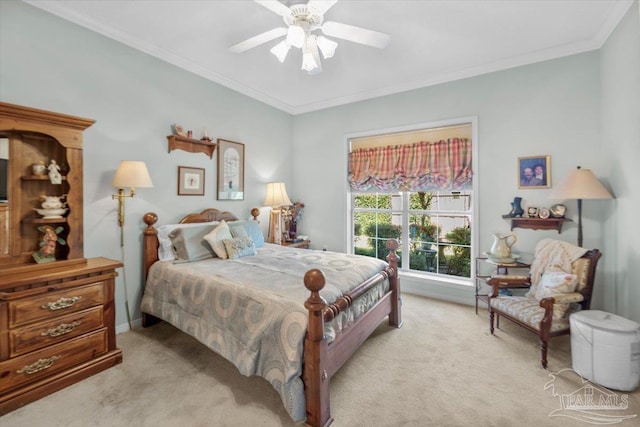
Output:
x=421 y=200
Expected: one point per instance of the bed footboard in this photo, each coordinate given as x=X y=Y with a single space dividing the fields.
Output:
x=322 y=360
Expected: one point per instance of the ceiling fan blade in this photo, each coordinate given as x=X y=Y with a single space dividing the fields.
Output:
x=321 y=6
x=254 y=41
x=356 y=34
x=275 y=6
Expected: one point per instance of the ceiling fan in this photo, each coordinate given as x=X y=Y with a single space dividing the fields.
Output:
x=302 y=21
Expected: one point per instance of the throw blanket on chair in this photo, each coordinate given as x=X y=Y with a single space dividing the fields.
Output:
x=552 y=255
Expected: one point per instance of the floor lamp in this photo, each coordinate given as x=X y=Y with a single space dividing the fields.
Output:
x=276 y=198
x=130 y=174
x=580 y=184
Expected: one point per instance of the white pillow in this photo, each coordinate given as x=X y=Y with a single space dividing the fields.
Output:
x=165 y=250
x=555 y=283
x=215 y=239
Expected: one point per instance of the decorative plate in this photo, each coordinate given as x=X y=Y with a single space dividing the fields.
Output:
x=544 y=213
x=179 y=130
x=558 y=211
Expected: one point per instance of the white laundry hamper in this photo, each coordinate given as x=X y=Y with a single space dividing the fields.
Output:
x=605 y=349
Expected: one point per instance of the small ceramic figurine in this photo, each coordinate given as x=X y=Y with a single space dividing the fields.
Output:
x=47 y=252
x=54 y=173
x=38 y=168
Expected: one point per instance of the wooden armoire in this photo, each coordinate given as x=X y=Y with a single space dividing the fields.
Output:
x=57 y=318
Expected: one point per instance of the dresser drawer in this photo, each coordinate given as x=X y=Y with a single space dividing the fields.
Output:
x=55 y=304
x=58 y=357
x=38 y=335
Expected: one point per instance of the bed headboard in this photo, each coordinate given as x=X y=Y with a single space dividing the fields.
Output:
x=150 y=234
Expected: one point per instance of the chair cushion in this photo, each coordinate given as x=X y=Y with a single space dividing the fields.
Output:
x=527 y=310
x=580 y=268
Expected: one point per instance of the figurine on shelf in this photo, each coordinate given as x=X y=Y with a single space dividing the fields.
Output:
x=47 y=252
x=516 y=208
x=54 y=173
x=205 y=135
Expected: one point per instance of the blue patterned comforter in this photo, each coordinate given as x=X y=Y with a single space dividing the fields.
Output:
x=251 y=310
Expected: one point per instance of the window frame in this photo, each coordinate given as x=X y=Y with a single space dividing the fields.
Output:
x=406 y=212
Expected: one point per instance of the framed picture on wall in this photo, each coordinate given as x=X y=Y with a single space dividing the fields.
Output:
x=190 y=181
x=534 y=172
x=230 y=170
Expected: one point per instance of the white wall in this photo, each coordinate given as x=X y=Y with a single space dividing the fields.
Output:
x=620 y=65
x=547 y=108
x=48 y=63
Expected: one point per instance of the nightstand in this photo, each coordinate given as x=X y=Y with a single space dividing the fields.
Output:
x=304 y=244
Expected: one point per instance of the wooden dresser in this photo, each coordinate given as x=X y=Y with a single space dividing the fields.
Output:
x=57 y=326
x=57 y=312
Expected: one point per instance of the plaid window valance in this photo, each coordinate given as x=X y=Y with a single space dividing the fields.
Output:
x=421 y=166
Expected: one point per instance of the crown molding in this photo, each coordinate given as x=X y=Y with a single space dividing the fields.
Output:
x=611 y=22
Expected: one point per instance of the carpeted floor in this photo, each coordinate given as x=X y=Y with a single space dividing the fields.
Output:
x=442 y=368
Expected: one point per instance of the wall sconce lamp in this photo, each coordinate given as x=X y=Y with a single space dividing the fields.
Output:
x=276 y=198
x=130 y=174
x=580 y=184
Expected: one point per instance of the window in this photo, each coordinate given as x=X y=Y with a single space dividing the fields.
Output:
x=433 y=228
x=415 y=186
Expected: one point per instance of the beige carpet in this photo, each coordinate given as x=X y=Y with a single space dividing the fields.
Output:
x=442 y=368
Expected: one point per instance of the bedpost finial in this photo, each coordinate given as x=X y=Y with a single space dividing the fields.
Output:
x=314 y=280
x=255 y=213
x=150 y=218
x=392 y=244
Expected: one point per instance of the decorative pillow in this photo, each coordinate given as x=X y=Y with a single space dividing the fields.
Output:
x=253 y=230
x=188 y=244
x=165 y=247
x=239 y=247
x=554 y=283
x=237 y=229
x=216 y=236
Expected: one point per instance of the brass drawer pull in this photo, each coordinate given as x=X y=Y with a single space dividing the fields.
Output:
x=40 y=365
x=62 y=329
x=61 y=303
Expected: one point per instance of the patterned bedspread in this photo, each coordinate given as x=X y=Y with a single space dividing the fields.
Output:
x=251 y=310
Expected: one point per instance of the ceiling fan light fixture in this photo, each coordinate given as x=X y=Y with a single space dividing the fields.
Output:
x=327 y=47
x=296 y=36
x=308 y=61
x=280 y=50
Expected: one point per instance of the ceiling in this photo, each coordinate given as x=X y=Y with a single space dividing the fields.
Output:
x=431 y=41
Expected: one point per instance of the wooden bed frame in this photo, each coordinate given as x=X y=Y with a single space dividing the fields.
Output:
x=321 y=359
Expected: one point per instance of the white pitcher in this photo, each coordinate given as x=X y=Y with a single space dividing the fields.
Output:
x=501 y=247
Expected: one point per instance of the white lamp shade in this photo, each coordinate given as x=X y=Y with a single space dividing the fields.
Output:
x=580 y=184
x=296 y=36
x=327 y=47
x=280 y=50
x=276 y=195
x=132 y=174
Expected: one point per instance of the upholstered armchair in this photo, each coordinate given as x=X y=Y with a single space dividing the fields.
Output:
x=561 y=282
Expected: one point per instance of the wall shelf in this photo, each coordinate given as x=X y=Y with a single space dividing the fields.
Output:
x=38 y=178
x=177 y=142
x=538 y=223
